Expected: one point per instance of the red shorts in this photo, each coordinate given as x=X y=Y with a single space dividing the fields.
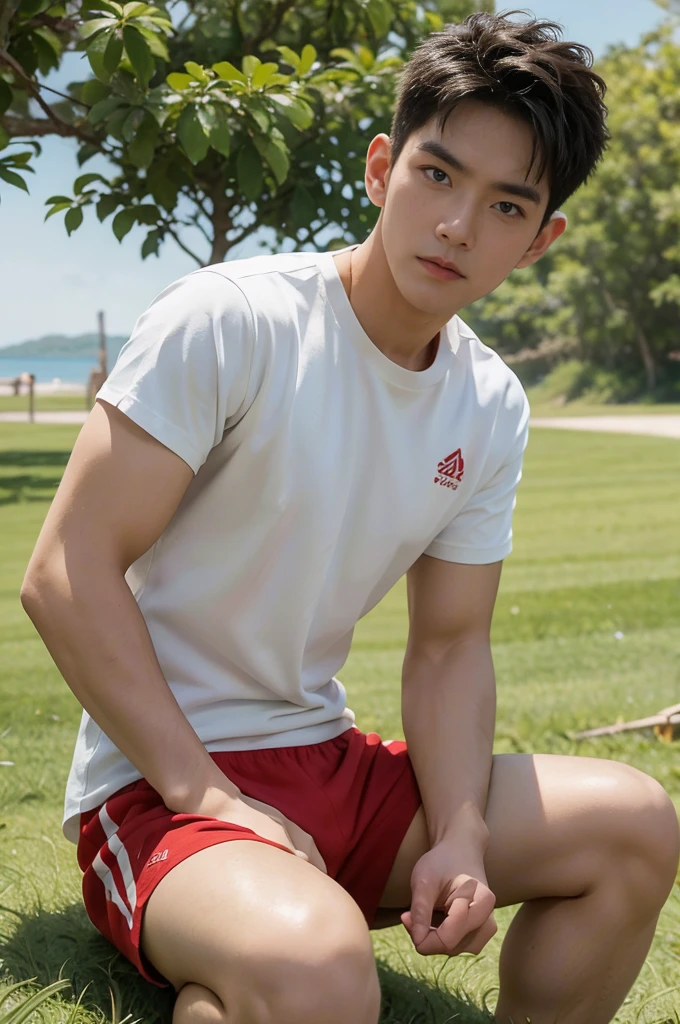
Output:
x=355 y=795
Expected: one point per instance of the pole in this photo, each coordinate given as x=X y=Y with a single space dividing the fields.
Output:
x=31 y=401
x=102 y=343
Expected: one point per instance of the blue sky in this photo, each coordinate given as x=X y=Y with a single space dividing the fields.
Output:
x=51 y=283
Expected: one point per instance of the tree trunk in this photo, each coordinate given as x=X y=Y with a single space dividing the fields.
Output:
x=221 y=223
x=647 y=357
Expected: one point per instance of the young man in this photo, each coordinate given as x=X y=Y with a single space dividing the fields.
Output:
x=281 y=439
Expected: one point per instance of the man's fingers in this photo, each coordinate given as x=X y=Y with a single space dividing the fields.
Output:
x=467 y=926
x=477 y=940
x=420 y=917
x=455 y=926
x=481 y=907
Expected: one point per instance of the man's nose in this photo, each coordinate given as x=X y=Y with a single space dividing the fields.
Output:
x=459 y=228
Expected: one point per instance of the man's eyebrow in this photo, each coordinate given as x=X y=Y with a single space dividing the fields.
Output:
x=511 y=188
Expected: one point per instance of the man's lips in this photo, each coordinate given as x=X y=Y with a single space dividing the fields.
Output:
x=443 y=273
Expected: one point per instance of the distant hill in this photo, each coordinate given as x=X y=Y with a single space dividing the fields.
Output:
x=57 y=346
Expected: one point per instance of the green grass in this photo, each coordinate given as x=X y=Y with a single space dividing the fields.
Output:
x=597 y=553
x=43 y=403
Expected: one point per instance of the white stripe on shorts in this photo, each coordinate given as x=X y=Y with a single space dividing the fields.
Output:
x=117 y=848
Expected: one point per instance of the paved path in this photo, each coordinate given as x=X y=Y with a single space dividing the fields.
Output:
x=77 y=416
x=660 y=425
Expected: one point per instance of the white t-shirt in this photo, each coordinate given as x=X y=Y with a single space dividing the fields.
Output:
x=322 y=471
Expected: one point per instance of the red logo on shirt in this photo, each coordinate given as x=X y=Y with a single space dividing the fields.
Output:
x=450 y=470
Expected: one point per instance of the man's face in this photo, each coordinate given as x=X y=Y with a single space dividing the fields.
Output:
x=482 y=214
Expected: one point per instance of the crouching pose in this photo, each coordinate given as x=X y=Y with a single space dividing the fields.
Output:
x=281 y=439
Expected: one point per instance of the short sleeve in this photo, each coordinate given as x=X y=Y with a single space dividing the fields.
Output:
x=184 y=372
x=481 y=532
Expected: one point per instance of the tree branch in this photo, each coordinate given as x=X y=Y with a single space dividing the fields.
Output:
x=271 y=26
x=171 y=231
x=60 y=127
x=39 y=126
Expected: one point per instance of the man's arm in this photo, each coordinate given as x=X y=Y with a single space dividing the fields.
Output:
x=448 y=711
x=120 y=490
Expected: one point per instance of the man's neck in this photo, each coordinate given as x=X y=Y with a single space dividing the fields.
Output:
x=403 y=334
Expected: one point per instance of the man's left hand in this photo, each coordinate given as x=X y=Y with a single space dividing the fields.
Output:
x=440 y=884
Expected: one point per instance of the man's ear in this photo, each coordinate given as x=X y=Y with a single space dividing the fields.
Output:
x=548 y=234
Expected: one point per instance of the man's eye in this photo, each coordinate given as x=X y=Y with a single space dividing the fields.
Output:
x=509 y=209
x=437 y=170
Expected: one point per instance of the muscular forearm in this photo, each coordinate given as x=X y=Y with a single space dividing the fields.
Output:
x=448 y=713
x=97 y=636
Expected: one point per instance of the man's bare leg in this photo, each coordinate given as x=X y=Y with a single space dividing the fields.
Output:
x=590 y=847
x=249 y=934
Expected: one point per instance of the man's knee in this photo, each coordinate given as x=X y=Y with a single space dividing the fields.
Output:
x=323 y=973
x=643 y=833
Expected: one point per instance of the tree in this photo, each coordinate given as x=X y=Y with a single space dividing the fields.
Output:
x=609 y=291
x=226 y=117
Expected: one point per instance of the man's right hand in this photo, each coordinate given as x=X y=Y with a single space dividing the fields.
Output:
x=264 y=820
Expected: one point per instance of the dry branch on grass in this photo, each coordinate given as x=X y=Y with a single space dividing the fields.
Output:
x=665 y=724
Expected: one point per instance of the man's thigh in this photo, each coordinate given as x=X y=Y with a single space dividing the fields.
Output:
x=551 y=819
x=246 y=919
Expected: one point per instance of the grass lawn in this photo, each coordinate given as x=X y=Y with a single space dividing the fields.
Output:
x=42 y=403
x=587 y=630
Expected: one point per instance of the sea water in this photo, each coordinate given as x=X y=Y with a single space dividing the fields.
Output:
x=68 y=369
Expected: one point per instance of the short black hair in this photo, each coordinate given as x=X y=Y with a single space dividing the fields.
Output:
x=525 y=68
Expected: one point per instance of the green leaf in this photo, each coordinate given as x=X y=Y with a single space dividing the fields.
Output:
x=5 y=96
x=88 y=28
x=93 y=91
x=176 y=80
x=4 y=138
x=123 y=83
x=135 y=10
x=249 y=172
x=86 y=179
x=140 y=56
x=193 y=139
x=260 y=117
x=366 y=57
x=100 y=111
x=276 y=156
x=307 y=58
x=21 y=159
x=295 y=109
x=154 y=42
x=162 y=186
x=59 y=199
x=196 y=72
x=132 y=123
x=142 y=147
x=220 y=135
x=107 y=204
x=113 y=52
x=12 y=178
x=263 y=73
x=29 y=8
x=47 y=59
x=249 y=64
x=302 y=207
x=228 y=73
x=57 y=209
x=123 y=223
x=290 y=56
x=73 y=219
x=207 y=117
x=380 y=15
x=150 y=244
x=86 y=153
x=147 y=213
x=95 y=50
